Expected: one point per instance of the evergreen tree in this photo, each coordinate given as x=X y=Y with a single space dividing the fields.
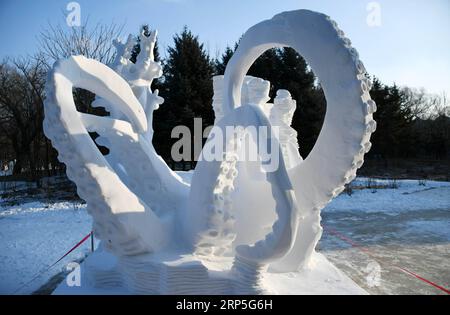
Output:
x=186 y=88
x=221 y=64
x=392 y=138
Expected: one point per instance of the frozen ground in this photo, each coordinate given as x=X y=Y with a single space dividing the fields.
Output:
x=408 y=226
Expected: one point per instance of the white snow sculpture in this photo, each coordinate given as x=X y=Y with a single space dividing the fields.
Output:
x=254 y=91
x=281 y=115
x=234 y=228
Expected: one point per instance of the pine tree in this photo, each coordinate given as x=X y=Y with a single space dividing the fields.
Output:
x=220 y=65
x=186 y=88
x=392 y=137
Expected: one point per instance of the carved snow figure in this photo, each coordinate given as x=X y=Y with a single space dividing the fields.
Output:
x=234 y=227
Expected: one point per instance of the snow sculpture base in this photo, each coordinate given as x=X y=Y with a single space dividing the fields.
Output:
x=104 y=273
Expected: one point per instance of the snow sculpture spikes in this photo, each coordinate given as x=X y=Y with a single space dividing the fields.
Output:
x=231 y=209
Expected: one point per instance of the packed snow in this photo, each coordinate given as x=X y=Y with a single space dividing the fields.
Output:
x=408 y=196
x=407 y=226
x=33 y=236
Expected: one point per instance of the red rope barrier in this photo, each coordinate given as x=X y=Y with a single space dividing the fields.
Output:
x=369 y=253
x=72 y=249
x=423 y=279
x=38 y=274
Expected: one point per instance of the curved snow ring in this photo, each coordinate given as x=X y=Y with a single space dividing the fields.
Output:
x=348 y=124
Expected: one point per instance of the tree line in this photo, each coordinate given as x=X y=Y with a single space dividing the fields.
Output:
x=410 y=123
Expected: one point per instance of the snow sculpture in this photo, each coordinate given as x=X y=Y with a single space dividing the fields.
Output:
x=281 y=115
x=233 y=227
x=254 y=91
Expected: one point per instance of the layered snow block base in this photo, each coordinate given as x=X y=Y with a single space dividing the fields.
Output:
x=103 y=273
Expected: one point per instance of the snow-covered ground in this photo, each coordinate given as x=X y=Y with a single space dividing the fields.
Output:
x=408 y=226
x=408 y=196
x=33 y=236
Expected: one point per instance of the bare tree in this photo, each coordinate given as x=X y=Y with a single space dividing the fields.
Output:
x=420 y=104
x=22 y=90
x=416 y=103
x=57 y=41
x=21 y=109
x=440 y=106
x=60 y=41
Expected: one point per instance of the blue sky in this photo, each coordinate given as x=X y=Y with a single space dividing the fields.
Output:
x=410 y=47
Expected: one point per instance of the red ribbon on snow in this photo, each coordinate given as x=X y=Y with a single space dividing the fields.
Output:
x=37 y=275
x=72 y=249
x=369 y=253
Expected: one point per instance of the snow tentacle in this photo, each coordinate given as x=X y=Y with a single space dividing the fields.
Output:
x=218 y=237
x=125 y=223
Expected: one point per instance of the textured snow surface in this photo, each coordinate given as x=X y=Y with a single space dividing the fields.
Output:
x=409 y=196
x=33 y=236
